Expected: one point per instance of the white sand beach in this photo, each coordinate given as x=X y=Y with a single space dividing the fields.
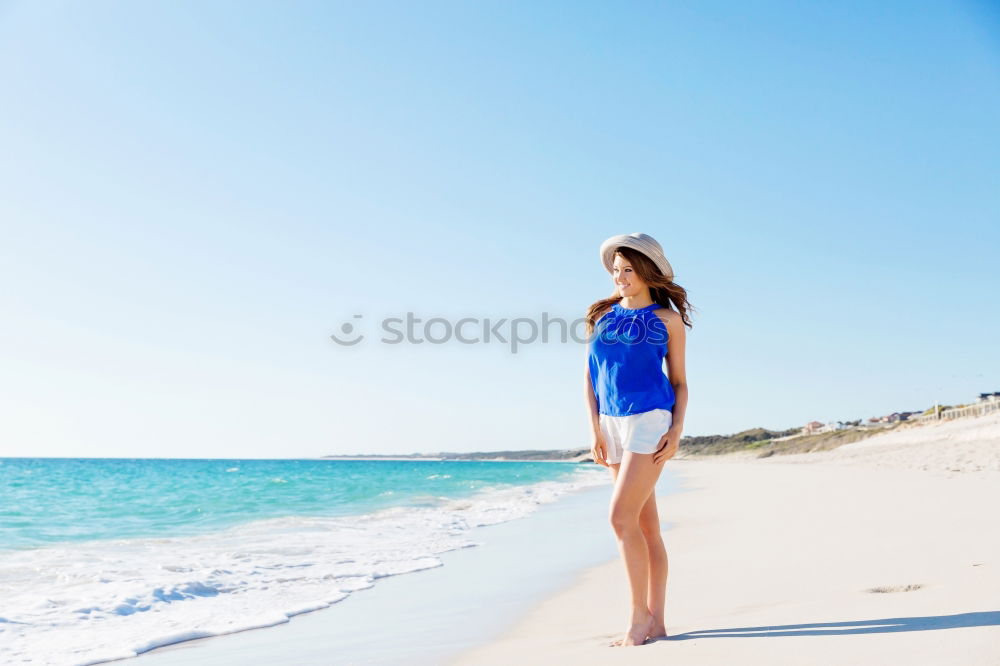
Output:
x=884 y=551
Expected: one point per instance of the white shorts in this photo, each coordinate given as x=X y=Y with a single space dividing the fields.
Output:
x=638 y=433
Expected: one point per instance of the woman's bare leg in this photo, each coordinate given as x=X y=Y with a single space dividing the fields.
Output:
x=656 y=596
x=649 y=521
x=634 y=483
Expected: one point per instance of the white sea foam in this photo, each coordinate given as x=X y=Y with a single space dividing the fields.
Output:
x=86 y=603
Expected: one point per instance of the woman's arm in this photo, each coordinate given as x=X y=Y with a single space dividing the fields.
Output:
x=595 y=423
x=598 y=447
x=591 y=397
x=676 y=369
x=671 y=441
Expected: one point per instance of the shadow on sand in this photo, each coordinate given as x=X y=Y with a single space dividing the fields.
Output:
x=883 y=626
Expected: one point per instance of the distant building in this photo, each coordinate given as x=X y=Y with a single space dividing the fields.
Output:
x=989 y=397
x=895 y=417
x=811 y=427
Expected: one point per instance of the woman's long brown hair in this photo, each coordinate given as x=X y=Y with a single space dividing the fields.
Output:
x=662 y=289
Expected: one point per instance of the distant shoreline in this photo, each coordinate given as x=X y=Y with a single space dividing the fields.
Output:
x=467 y=458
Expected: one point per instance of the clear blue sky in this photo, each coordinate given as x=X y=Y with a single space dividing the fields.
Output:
x=194 y=196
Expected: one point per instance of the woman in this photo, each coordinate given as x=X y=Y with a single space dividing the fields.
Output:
x=637 y=411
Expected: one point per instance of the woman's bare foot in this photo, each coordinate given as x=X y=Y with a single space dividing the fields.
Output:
x=659 y=630
x=656 y=631
x=637 y=633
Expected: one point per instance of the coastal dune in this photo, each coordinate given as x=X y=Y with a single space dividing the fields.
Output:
x=946 y=448
x=879 y=552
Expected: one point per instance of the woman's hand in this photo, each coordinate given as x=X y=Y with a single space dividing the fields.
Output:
x=599 y=449
x=668 y=446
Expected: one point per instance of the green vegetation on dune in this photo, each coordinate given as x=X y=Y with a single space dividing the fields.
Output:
x=750 y=440
x=718 y=444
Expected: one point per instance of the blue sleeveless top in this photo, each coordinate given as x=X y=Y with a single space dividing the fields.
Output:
x=627 y=350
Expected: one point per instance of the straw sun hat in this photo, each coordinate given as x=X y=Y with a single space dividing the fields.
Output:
x=643 y=243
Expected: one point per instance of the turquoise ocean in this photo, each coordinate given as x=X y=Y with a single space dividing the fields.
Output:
x=108 y=558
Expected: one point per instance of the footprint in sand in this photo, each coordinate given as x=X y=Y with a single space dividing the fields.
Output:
x=895 y=588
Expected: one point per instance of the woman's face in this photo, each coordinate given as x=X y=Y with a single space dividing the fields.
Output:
x=626 y=279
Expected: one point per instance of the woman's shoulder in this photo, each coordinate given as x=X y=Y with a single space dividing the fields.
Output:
x=668 y=315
